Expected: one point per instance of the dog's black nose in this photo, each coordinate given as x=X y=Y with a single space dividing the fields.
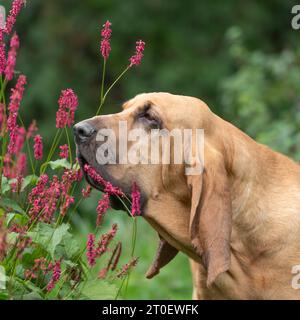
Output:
x=83 y=130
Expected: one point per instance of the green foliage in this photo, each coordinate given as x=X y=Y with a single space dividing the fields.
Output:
x=94 y=290
x=262 y=96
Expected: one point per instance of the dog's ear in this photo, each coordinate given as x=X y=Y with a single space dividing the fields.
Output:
x=210 y=217
x=165 y=253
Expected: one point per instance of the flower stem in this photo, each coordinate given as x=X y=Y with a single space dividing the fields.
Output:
x=28 y=147
x=111 y=86
x=69 y=144
x=102 y=82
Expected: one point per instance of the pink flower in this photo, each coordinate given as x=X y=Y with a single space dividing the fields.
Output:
x=68 y=103
x=136 y=198
x=15 y=101
x=7 y=172
x=105 y=42
x=105 y=240
x=64 y=151
x=68 y=201
x=32 y=129
x=20 y=139
x=86 y=192
x=17 y=184
x=3 y=242
x=38 y=147
x=11 y=149
x=102 y=273
x=102 y=207
x=108 y=187
x=68 y=178
x=136 y=59
x=2 y=53
x=126 y=268
x=44 y=199
x=21 y=164
x=116 y=255
x=13 y=13
x=11 y=59
x=39 y=265
x=24 y=242
x=90 y=253
x=56 y=273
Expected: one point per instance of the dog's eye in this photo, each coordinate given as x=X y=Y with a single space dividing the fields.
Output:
x=149 y=120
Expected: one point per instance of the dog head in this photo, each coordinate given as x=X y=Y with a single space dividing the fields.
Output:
x=190 y=209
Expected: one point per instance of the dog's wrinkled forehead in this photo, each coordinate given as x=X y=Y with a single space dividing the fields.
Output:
x=162 y=99
x=176 y=110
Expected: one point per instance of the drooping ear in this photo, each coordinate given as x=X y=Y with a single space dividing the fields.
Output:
x=165 y=253
x=210 y=217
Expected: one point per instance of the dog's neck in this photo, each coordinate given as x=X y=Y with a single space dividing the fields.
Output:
x=257 y=176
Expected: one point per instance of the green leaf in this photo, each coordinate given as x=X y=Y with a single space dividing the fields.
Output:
x=57 y=237
x=32 y=296
x=99 y=290
x=5 y=185
x=11 y=216
x=70 y=245
x=3 y=296
x=29 y=180
x=11 y=204
x=12 y=237
x=59 y=243
x=42 y=234
x=60 y=163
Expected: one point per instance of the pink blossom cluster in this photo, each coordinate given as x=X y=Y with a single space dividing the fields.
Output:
x=17 y=184
x=105 y=42
x=137 y=58
x=3 y=240
x=40 y=264
x=56 y=273
x=23 y=242
x=47 y=195
x=11 y=59
x=102 y=207
x=14 y=104
x=86 y=192
x=2 y=53
x=127 y=267
x=38 y=147
x=68 y=201
x=108 y=187
x=64 y=151
x=112 y=262
x=31 y=130
x=95 y=251
x=136 y=198
x=67 y=103
x=13 y=168
x=90 y=250
x=13 y=13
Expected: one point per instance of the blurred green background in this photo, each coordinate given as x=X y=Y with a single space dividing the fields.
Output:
x=241 y=57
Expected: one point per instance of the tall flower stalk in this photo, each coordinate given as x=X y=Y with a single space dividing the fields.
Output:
x=105 y=49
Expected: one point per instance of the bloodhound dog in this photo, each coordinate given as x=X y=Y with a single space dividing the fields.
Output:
x=238 y=220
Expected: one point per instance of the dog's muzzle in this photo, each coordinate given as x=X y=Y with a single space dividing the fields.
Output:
x=83 y=131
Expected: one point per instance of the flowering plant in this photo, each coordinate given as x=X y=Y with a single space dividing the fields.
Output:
x=40 y=258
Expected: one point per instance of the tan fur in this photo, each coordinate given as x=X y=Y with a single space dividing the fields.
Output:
x=250 y=189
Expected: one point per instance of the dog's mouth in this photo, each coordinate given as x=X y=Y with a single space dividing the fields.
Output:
x=82 y=162
x=115 y=202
